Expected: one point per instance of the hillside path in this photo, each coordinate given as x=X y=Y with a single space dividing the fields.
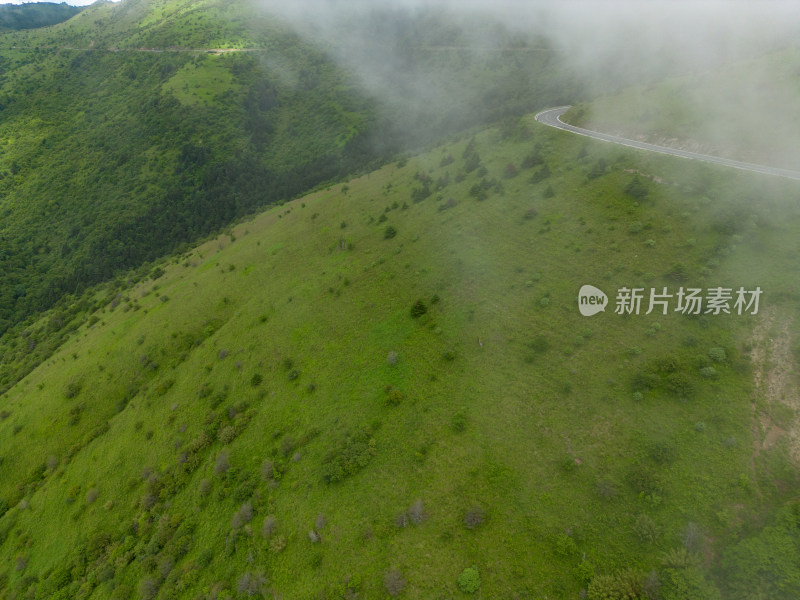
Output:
x=552 y=117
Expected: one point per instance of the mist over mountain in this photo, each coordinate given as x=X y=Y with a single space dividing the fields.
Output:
x=289 y=302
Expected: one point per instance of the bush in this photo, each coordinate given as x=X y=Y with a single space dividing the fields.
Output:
x=418 y=309
x=645 y=529
x=394 y=397
x=256 y=379
x=717 y=354
x=222 y=465
x=352 y=455
x=242 y=516
x=72 y=390
x=227 y=434
x=470 y=580
x=708 y=372
x=458 y=422
x=269 y=526
x=389 y=232
x=474 y=517
x=394 y=582
x=416 y=512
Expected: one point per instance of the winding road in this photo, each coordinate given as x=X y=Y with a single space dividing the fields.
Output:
x=552 y=117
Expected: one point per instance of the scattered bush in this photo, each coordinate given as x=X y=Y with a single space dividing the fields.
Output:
x=416 y=512
x=394 y=582
x=418 y=309
x=277 y=544
x=269 y=526
x=458 y=422
x=222 y=465
x=645 y=529
x=352 y=455
x=469 y=581
x=474 y=517
x=251 y=584
x=717 y=354
x=708 y=372
x=242 y=516
x=227 y=434
x=73 y=389
x=393 y=396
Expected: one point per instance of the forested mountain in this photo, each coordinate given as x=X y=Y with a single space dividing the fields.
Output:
x=35 y=14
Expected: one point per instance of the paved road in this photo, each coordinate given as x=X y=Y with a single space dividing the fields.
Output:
x=552 y=117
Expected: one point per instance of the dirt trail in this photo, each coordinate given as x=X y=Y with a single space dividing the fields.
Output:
x=776 y=391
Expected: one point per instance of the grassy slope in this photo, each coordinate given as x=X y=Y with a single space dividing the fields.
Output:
x=737 y=111
x=113 y=158
x=113 y=154
x=116 y=489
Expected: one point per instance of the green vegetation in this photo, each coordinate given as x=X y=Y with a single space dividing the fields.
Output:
x=35 y=14
x=136 y=128
x=190 y=435
x=382 y=387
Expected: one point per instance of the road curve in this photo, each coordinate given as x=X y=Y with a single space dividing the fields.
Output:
x=552 y=117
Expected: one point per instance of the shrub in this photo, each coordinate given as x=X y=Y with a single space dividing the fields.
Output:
x=708 y=372
x=394 y=397
x=394 y=582
x=392 y=358
x=92 y=495
x=418 y=309
x=636 y=189
x=73 y=389
x=242 y=516
x=474 y=517
x=277 y=544
x=645 y=528
x=226 y=434
x=222 y=465
x=352 y=455
x=389 y=232
x=256 y=379
x=459 y=421
x=267 y=470
x=269 y=526
x=416 y=512
x=470 y=580
x=478 y=192
x=511 y=171
x=717 y=354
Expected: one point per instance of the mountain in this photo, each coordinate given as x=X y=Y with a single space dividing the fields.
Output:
x=385 y=387
x=33 y=15
x=138 y=126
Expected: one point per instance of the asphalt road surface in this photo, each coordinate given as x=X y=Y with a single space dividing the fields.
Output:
x=552 y=117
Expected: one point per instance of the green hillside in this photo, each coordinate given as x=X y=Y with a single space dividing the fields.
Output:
x=33 y=15
x=138 y=126
x=738 y=111
x=385 y=388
